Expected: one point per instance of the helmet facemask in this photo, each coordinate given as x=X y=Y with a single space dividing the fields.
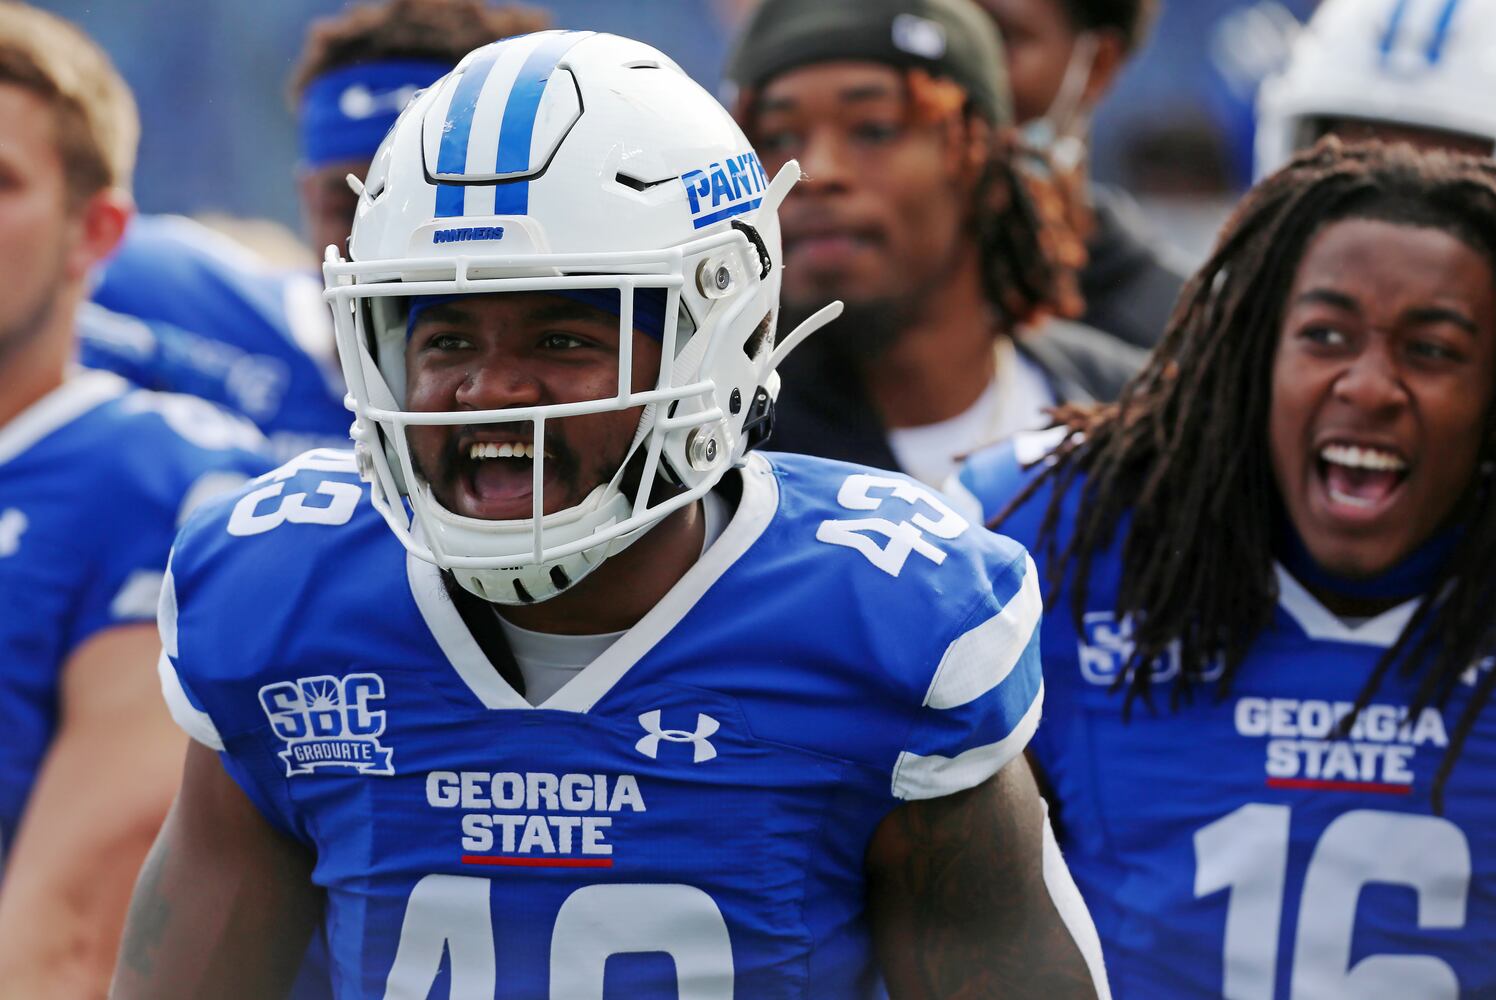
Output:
x=688 y=431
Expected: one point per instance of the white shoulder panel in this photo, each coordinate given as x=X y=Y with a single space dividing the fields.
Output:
x=919 y=777
x=194 y=723
x=981 y=659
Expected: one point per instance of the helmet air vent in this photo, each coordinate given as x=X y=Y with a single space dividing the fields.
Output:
x=760 y=339
x=639 y=183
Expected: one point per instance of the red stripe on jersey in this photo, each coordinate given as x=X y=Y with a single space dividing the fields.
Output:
x=1341 y=786
x=536 y=862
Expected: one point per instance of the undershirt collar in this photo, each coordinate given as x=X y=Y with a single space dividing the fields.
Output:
x=547 y=661
x=1013 y=401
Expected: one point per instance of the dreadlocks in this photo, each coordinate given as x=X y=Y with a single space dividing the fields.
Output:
x=1030 y=251
x=1031 y=242
x=1184 y=452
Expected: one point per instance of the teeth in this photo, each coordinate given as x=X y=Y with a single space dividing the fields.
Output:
x=1353 y=457
x=487 y=449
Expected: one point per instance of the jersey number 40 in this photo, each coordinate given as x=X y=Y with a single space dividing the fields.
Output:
x=451 y=913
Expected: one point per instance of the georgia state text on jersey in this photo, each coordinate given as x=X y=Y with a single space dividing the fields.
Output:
x=222 y=325
x=1236 y=847
x=686 y=817
x=94 y=479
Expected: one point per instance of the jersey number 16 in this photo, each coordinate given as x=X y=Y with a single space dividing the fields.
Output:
x=1246 y=852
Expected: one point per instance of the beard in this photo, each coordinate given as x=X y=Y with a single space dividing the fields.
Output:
x=863 y=333
x=564 y=466
x=450 y=463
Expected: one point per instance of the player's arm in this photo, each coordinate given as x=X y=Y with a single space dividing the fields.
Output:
x=98 y=801
x=969 y=898
x=225 y=905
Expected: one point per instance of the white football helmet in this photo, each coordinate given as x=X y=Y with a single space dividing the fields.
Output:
x=1429 y=64
x=553 y=161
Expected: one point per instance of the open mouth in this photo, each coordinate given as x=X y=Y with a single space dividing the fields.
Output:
x=1360 y=481
x=498 y=479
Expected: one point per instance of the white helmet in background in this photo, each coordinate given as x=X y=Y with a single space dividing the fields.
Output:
x=1424 y=64
x=566 y=161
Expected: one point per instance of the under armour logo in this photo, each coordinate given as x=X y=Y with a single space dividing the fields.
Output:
x=12 y=525
x=649 y=745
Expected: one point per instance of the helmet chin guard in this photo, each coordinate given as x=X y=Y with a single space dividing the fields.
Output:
x=634 y=181
x=539 y=581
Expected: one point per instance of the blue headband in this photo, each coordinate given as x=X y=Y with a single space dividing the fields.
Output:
x=345 y=114
x=649 y=306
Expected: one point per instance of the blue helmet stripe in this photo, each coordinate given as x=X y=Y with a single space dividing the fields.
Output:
x=452 y=157
x=518 y=128
x=1441 y=32
x=1389 y=40
x=450 y=199
x=728 y=212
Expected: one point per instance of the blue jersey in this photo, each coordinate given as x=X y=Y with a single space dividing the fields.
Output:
x=220 y=324
x=166 y=358
x=94 y=479
x=687 y=817
x=1237 y=848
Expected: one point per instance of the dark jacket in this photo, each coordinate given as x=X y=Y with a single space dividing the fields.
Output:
x=1129 y=283
x=824 y=410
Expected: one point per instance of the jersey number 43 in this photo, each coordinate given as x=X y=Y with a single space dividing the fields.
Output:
x=901 y=538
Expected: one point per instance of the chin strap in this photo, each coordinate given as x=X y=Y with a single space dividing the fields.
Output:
x=759 y=423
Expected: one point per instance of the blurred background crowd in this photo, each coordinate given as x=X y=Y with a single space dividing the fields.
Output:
x=1296 y=423
x=1176 y=130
